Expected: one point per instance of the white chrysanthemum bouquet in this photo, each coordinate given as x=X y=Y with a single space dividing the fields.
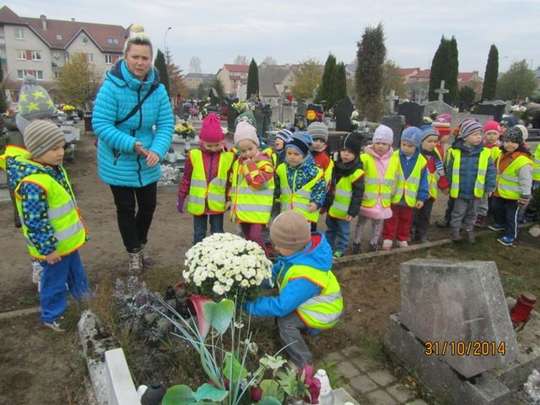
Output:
x=226 y=265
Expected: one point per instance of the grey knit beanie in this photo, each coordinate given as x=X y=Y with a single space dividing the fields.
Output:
x=290 y=230
x=318 y=130
x=41 y=136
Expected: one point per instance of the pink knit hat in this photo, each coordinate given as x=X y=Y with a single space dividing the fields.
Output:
x=245 y=131
x=492 y=126
x=211 y=129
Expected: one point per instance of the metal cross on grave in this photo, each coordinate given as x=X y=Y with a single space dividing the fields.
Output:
x=442 y=91
x=391 y=100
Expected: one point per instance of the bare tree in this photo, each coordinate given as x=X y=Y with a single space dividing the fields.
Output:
x=269 y=60
x=195 y=65
x=241 y=60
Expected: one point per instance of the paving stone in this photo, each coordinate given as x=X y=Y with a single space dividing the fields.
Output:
x=351 y=351
x=382 y=377
x=401 y=392
x=366 y=364
x=347 y=370
x=380 y=397
x=363 y=384
x=417 y=402
x=334 y=357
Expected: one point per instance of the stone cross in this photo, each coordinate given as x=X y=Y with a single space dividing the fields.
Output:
x=442 y=91
x=391 y=99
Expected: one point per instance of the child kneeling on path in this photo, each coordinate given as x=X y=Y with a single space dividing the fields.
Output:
x=299 y=181
x=51 y=223
x=252 y=184
x=309 y=299
x=514 y=184
x=345 y=194
x=472 y=175
x=205 y=181
x=411 y=189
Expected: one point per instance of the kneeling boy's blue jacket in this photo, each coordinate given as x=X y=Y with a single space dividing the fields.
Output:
x=316 y=254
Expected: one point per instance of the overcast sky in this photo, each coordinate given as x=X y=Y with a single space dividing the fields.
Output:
x=290 y=31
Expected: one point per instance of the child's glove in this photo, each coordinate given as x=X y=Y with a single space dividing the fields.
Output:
x=180 y=205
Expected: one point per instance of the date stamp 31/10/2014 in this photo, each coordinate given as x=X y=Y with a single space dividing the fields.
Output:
x=462 y=348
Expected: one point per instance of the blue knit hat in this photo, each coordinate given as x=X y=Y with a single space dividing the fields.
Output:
x=468 y=127
x=427 y=130
x=285 y=135
x=412 y=135
x=301 y=141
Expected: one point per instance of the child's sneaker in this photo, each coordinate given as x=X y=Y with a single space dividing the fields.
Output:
x=481 y=221
x=506 y=241
x=454 y=235
x=135 y=264
x=147 y=261
x=496 y=227
x=356 y=248
x=55 y=325
x=387 y=244
x=338 y=254
x=373 y=247
x=402 y=243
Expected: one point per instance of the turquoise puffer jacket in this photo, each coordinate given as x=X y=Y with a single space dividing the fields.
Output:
x=152 y=125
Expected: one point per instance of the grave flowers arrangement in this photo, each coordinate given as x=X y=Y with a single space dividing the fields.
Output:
x=68 y=108
x=226 y=265
x=184 y=129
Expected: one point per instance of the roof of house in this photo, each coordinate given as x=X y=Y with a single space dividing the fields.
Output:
x=201 y=76
x=407 y=71
x=467 y=76
x=269 y=77
x=236 y=68
x=60 y=33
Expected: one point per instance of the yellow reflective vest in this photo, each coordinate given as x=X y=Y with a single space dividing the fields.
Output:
x=374 y=186
x=479 y=184
x=343 y=195
x=297 y=200
x=201 y=191
x=328 y=172
x=13 y=151
x=508 y=180
x=407 y=188
x=248 y=204
x=322 y=311
x=536 y=164
x=62 y=212
x=496 y=152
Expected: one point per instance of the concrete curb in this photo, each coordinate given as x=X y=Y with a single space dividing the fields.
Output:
x=19 y=312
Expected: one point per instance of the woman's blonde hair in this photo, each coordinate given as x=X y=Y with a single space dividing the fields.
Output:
x=137 y=36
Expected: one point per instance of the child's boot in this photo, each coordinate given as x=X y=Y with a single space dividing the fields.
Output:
x=356 y=248
x=147 y=261
x=135 y=264
x=454 y=235
x=387 y=244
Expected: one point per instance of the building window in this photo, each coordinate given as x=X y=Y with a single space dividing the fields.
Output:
x=20 y=74
x=19 y=33
x=109 y=59
x=39 y=74
x=21 y=54
x=36 y=55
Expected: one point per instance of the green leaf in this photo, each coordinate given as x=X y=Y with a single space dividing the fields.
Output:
x=220 y=314
x=179 y=395
x=211 y=393
x=269 y=401
x=233 y=369
x=271 y=388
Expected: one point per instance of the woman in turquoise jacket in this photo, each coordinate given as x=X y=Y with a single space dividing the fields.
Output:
x=133 y=121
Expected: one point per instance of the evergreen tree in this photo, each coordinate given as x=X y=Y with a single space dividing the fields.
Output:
x=438 y=68
x=369 y=73
x=218 y=86
x=453 y=72
x=253 y=80
x=489 y=90
x=3 y=101
x=326 y=94
x=340 y=83
x=466 y=97
x=161 y=67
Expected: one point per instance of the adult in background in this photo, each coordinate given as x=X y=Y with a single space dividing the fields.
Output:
x=133 y=121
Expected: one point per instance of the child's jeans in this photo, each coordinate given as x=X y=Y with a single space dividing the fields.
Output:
x=506 y=214
x=200 y=224
x=290 y=333
x=337 y=233
x=53 y=295
x=464 y=213
x=254 y=232
x=376 y=229
x=399 y=225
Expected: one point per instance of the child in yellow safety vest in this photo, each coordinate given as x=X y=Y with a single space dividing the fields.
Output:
x=309 y=299
x=300 y=184
x=472 y=175
x=252 y=184
x=379 y=181
x=492 y=133
x=51 y=223
x=514 y=183
x=344 y=194
x=411 y=189
x=205 y=181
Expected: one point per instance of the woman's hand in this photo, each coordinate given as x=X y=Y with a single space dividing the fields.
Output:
x=139 y=149
x=152 y=158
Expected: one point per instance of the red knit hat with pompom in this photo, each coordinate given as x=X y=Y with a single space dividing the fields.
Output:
x=211 y=131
